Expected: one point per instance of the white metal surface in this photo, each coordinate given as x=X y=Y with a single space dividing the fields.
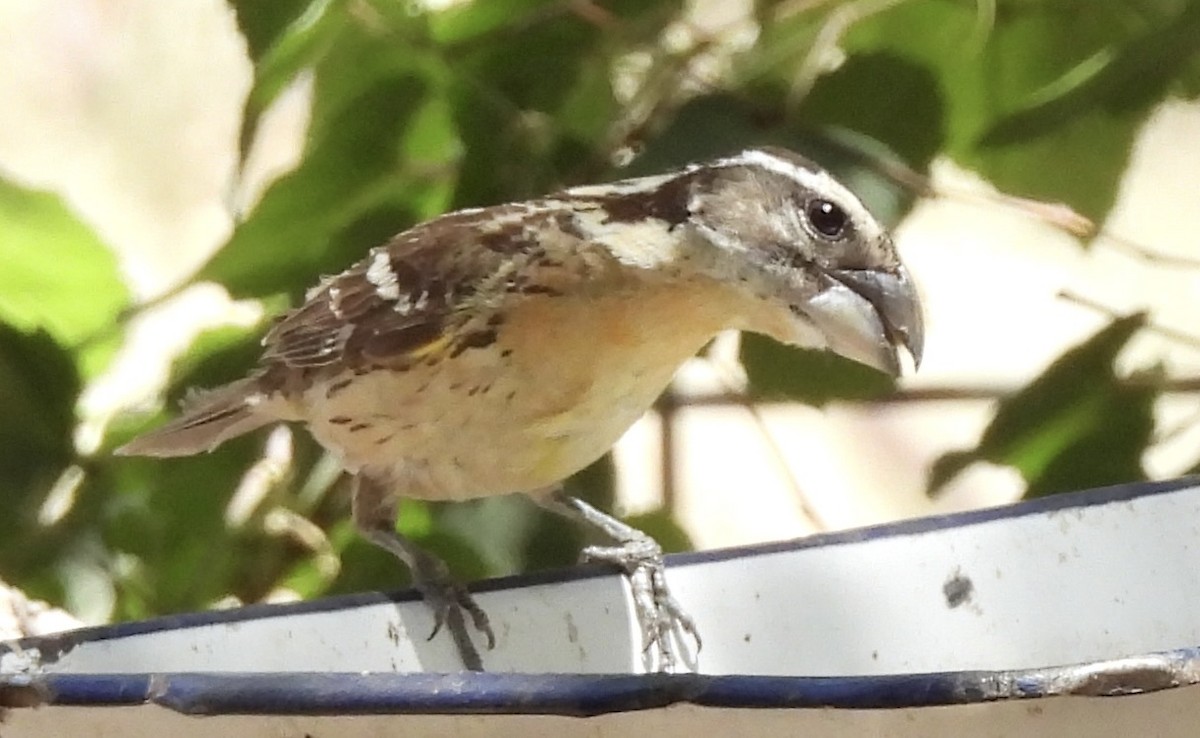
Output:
x=1103 y=584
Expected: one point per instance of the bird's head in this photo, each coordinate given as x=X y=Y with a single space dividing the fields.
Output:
x=794 y=236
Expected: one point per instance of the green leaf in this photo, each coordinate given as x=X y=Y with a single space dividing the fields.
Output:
x=38 y=388
x=706 y=127
x=499 y=527
x=514 y=535
x=516 y=105
x=381 y=153
x=469 y=21
x=1032 y=63
x=39 y=384
x=1134 y=76
x=813 y=377
x=58 y=275
x=283 y=51
x=866 y=92
x=588 y=108
x=348 y=174
x=262 y=23
x=1076 y=426
x=784 y=40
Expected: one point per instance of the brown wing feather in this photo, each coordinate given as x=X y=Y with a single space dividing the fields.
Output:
x=445 y=273
x=433 y=291
x=209 y=419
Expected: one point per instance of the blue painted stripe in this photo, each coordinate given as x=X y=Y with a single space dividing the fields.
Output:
x=582 y=695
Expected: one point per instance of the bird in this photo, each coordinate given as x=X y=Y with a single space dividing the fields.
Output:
x=498 y=350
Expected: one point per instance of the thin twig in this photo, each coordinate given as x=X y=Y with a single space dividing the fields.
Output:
x=724 y=374
x=1059 y=215
x=1125 y=245
x=1185 y=339
x=959 y=393
x=668 y=415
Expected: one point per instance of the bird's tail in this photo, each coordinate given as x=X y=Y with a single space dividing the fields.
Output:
x=209 y=419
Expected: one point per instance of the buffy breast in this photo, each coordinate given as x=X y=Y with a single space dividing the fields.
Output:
x=512 y=416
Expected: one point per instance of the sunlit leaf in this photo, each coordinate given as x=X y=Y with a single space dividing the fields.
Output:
x=1076 y=426
x=263 y=23
x=57 y=274
x=285 y=39
x=352 y=171
x=990 y=69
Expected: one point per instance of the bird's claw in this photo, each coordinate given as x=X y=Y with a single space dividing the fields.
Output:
x=449 y=600
x=662 y=620
x=455 y=597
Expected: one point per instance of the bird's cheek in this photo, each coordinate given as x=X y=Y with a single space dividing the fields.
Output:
x=779 y=320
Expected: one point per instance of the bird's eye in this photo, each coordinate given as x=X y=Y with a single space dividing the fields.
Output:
x=826 y=218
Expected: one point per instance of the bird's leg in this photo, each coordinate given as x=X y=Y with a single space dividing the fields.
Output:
x=641 y=559
x=374 y=506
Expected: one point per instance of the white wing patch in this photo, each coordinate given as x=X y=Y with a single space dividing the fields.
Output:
x=380 y=274
x=645 y=245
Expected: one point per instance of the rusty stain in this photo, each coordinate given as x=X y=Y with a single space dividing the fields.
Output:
x=22 y=695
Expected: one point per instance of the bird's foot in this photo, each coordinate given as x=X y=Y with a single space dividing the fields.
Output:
x=449 y=601
x=665 y=625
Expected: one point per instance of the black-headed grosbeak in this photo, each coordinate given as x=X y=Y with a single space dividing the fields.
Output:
x=501 y=349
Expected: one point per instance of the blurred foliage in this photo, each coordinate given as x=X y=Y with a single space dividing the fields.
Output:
x=419 y=111
x=1075 y=426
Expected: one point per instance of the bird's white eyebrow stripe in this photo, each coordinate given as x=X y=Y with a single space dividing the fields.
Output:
x=813 y=180
x=624 y=186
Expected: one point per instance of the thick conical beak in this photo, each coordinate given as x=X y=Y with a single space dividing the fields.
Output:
x=867 y=315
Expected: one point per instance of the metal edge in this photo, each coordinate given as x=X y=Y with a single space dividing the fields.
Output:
x=52 y=647
x=916 y=526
